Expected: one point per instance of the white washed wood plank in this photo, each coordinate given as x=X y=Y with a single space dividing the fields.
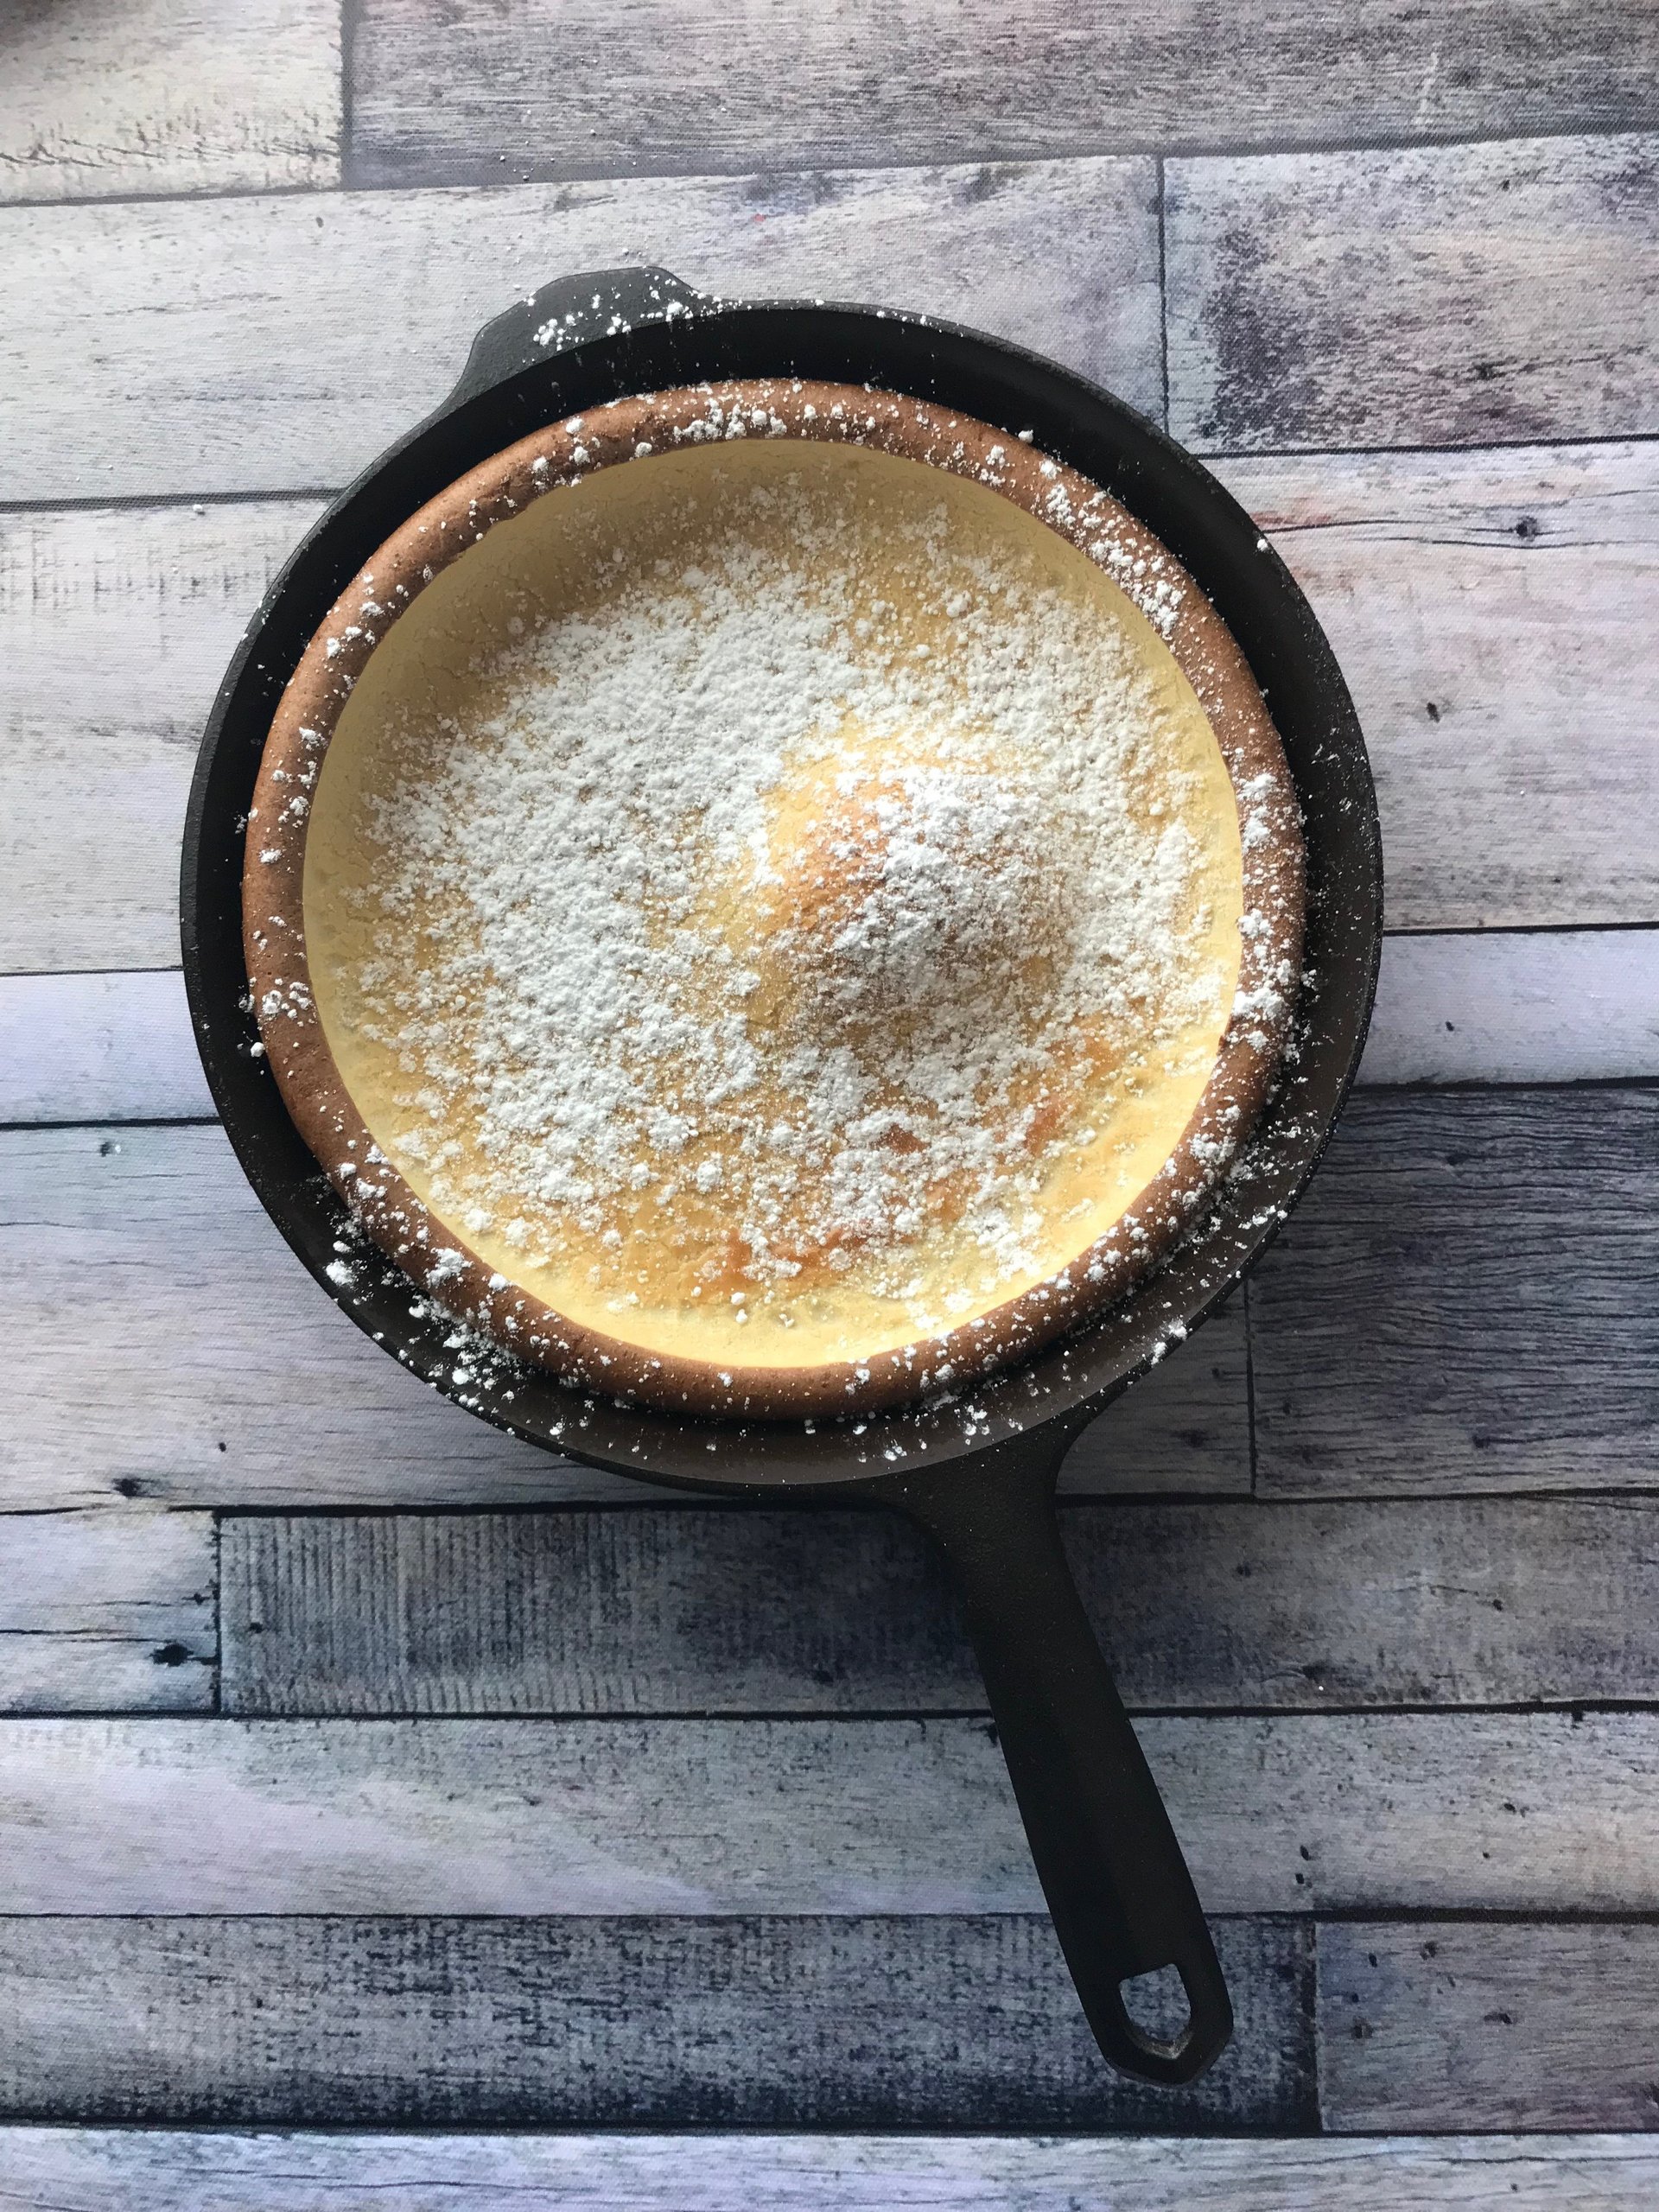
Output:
x=1457 y=294
x=98 y=1048
x=170 y=1346
x=1489 y=2024
x=778 y=2021
x=1498 y=1812
x=447 y=92
x=114 y=2170
x=1465 y=1299
x=1524 y=1007
x=1546 y=1007
x=167 y=96
x=129 y=365
x=1303 y=1607
x=1493 y=614
x=112 y=1611
x=117 y=625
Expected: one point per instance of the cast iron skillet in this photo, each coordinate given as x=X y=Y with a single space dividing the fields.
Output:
x=981 y=1484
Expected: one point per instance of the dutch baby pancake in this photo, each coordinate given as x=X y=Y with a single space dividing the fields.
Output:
x=773 y=898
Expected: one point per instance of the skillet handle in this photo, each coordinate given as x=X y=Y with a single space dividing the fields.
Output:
x=1118 y=1885
x=570 y=312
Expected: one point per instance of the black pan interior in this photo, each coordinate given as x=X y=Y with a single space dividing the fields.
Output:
x=1207 y=530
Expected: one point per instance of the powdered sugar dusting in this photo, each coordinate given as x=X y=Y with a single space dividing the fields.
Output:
x=740 y=941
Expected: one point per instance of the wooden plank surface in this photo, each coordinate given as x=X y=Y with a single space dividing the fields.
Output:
x=107 y=1612
x=97 y=748
x=1396 y=1327
x=1440 y=2024
x=778 y=2023
x=1504 y=1006
x=110 y=2169
x=1297 y=1813
x=1446 y=295
x=1215 y=1606
x=1464 y=1300
x=168 y=1346
x=129 y=367
x=1491 y=613
x=454 y=93
x=99 y=1048
x=161 y=96
x=1523 y=1007
x=1501 y=1007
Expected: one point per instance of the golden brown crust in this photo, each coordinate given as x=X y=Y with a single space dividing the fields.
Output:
x=629 y=429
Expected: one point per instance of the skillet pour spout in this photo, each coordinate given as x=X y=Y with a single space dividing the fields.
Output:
x=1123 y=1900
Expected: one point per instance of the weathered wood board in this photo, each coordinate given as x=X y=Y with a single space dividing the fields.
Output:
x=1302 y=1607
x=1466 y=1301
x=798 y=2022
x=352 y=313
x=1370 y=1813
x=1521 y=1007
x=170 y=1348
x=442 y=92
x=117 y=2170
x=104 y=1048
x=163 y=96
x=1452 y=2023
x=1484 y=293
x=1395 y=1328
x=97 y=747
x=1492 y=613
x=107 y=1612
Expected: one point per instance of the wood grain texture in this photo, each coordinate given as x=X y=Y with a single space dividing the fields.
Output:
x=129 y=367
x=112 y=2169
x=1370 y=1813
x=1464 y=1300
x=1492 y=2025
x=162 y=96
x=1277 y=1607
x=766 y=2023
x=1491 y=613
x=99 y=1048
x=452 y=94
x=168 y=1346
x=1577 y=1006
x=107 y=1612
x=96 y=745
x=1444 y=295
x=1504 y=1006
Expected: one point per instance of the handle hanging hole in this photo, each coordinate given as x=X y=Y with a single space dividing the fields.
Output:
x=1158 y=2010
